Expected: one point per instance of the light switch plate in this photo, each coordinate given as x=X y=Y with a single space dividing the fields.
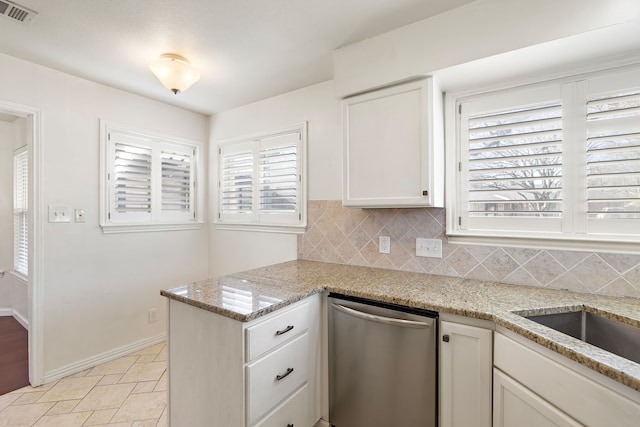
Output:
x=60 y=213
x=430 y=248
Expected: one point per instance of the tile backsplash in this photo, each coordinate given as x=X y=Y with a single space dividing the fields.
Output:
x=350 y=236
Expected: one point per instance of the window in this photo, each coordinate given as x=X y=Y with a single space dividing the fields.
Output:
x=261 y=181
x=558 y=161
x=21 y=211
x=150 y=180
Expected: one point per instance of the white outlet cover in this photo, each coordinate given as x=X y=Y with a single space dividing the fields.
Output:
x=384 y=244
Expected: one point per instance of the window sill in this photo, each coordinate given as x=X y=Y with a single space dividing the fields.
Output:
x=268 y=228
x=586 y=244
x=142 y=228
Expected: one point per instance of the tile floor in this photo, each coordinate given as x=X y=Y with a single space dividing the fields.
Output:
x=127 y=392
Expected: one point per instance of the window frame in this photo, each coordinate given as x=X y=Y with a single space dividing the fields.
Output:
x=259 y=221
x=574 y=229
x=156 y=143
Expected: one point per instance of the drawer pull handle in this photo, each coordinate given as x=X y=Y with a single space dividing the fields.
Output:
x=285 y=330
x=285 y=375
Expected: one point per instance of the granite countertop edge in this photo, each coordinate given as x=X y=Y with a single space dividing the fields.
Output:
x=295 y=280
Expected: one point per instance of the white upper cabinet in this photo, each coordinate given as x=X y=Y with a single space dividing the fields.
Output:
x=394 y=147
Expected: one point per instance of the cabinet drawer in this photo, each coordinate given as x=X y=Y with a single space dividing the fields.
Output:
x=293 y=412
x=276 y=376
x=270 y=333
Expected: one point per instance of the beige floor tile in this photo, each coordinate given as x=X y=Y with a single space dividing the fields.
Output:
x=110 y=379
x=163 y=422
x=145 y=423
x=146 y=358
x=124 y=424
x=162 y=383
x=80 y=374
x=30 y=389
x=162 y=356
x=116 y=366
x=144 y=372
x=100 y=417
x=154 y=349
x=27 y=398
x=145 y=387
x=70 y=388
x=105 y=397
x=63 y=407
x=142 y=406
x=8 y=399
x=23 y=415
x=75 y=419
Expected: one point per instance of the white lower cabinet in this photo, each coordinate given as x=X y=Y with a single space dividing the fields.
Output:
x=465 y=375
x=291 y=413
x=516 y=406
x=226 y=373
x=534 y=387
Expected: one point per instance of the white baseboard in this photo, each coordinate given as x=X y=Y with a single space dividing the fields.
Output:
x=19 y=317
x=81 y=365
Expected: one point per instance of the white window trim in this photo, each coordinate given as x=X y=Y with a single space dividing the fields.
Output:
x=154 y=225
x=255 y=225
x=556 y=241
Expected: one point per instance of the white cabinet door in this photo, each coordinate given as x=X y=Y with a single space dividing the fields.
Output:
x=516 y=406
x=393 y=147
x=465 y=375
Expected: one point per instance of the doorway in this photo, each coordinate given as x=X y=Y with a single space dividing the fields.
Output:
x=20 y=228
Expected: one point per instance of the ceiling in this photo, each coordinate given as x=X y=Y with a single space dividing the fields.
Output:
x=245 y=50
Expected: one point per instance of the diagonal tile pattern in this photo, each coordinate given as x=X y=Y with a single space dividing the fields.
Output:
x=130 y=391
x=350 y=236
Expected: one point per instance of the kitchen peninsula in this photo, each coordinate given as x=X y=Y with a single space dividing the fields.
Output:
x=239 y=304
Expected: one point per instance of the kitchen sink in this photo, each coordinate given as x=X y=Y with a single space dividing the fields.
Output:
x=608 y=334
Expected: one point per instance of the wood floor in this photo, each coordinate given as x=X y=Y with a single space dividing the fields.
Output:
x=14 y=357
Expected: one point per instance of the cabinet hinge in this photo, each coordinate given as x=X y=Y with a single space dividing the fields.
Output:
x=460 y=220
x=108 y=215
x=300 y=178
x=459 y=166
x=425 y=193
x=219 y=150
x=459 y=108
x=299 y=217
x=109 y=177
x=109 y=137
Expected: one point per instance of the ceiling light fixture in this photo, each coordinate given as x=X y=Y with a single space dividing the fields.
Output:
x=175 y=72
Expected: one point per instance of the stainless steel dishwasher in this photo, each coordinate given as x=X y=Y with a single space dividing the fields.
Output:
x=382 y=364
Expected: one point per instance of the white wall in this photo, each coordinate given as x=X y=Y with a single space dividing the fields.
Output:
x=97 y=288
x=231 y=251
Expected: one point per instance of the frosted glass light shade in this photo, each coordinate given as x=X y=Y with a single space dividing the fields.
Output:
x=175 y=72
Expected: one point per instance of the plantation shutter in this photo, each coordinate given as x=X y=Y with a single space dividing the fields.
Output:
x=279 y=179
x=130 y=181
x=236 y=183
x=21 y=212
x=177 y=183
x=613 y=155
x=512 y=161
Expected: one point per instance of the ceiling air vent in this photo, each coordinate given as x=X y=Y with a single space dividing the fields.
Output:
x=15 y=12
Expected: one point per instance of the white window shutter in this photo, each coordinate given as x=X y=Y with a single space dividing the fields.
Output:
x=130 y=180
x=511 y=167
x=21 y=212
x=177 y=192
x=236 y=182
x=279 y=178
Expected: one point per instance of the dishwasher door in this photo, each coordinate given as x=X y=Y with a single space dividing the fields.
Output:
x=382 y=364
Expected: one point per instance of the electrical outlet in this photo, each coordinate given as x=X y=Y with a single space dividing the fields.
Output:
x=153 y=315
x=430 y=248
x=384 y=244
x=79 y=215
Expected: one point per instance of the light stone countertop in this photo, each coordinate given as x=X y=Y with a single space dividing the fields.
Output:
x=248 y=295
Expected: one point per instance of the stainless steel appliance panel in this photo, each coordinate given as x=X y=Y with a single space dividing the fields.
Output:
x=382 y=366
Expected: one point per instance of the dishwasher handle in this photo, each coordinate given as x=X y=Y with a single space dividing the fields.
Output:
x=381 y=319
